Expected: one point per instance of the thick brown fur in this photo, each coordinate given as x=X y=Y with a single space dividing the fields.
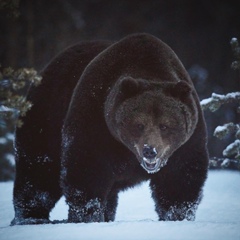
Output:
x=128 y=112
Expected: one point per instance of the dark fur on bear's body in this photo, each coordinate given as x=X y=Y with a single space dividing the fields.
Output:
x=94 y=159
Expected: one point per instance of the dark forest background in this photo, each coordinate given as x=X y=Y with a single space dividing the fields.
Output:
x=32 y=32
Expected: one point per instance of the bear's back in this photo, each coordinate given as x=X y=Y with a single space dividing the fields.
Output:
x=43 y=123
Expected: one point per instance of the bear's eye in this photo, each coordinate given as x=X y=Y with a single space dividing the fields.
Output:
x=163 y=127
x=140 y=127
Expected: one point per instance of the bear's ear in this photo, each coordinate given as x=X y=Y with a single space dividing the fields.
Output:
x=181 y=90
x=130 y=86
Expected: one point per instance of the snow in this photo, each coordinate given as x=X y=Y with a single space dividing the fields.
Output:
x=221 y=129
x=218 y=217
x=234 y=39
x=6 y=109
x=11 y=159
x=206 y=101
x=216 y=100
x=3 y=140
x=10 y=136
x=232 y=148
x=225 y=162
x=233 y=95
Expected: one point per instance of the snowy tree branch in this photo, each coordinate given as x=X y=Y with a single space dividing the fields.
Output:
x=233 y=149
x=12 y=97
x=222 y=131
x=213 y=104
x=216 y=101
x=224 y=163
x=236 y=51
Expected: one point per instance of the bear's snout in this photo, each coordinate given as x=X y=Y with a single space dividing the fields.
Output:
x=149 y=152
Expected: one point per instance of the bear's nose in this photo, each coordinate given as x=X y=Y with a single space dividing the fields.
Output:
x=149 y=152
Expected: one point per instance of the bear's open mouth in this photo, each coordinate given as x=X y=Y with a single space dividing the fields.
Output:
x=152 y=166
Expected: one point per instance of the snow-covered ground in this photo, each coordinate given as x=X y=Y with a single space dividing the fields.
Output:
x=218 y=217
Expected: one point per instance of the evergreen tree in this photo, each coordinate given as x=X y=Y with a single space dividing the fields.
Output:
x=14 y=86
x=232 y=152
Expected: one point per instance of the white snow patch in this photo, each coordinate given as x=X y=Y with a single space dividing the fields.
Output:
x=225 y=163
x=221 y=129
x=233 y=147
x=206 y=101
x=10 y=157
x=10 y=136
x=234 y=39
x=217 y=217
x=3 y=140
x=6 y=109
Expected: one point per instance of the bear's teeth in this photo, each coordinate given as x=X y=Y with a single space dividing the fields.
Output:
x=149 y=161
x=151 y=167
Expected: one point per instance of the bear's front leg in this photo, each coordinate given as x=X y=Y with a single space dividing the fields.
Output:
x=36 y=190
x=86 y=193
x=91 y=211
x=111 y=206
x=174 y=208
x=87 y=176
x=177 y=211
x=177 y=192
x=83 y=206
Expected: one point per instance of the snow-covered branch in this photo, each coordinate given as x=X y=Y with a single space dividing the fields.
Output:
x=236 y=51
x=12 y=97
x=222 y=131
x=224 y=163
x=233 y=149
x=216 y=100
x=213 y=104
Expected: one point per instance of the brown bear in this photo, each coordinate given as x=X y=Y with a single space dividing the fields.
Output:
x=107 y=117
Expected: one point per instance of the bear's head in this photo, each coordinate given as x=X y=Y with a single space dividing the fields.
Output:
x=153 y=119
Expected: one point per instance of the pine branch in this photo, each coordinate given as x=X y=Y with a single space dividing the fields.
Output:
x=213 y=104
x=224 y=163
x=216 y=101
x=236 y=51
x=228 y=128
x=233 y=149
x=12 y=83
